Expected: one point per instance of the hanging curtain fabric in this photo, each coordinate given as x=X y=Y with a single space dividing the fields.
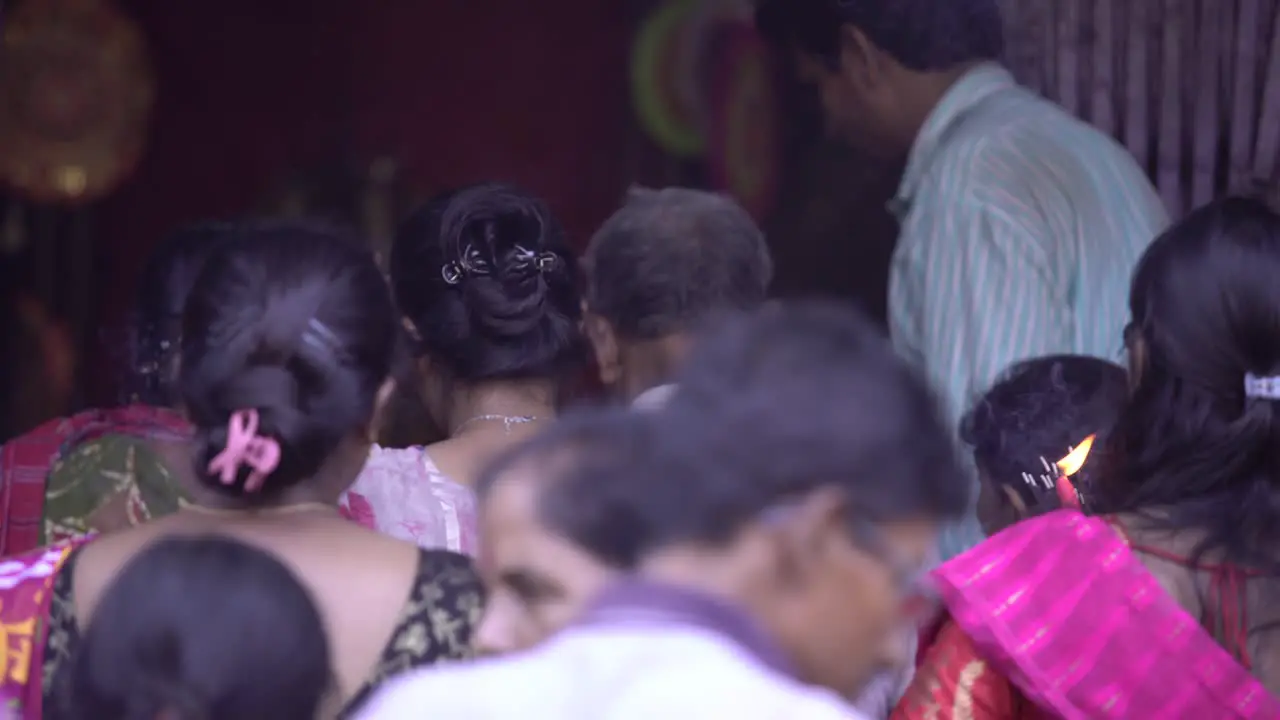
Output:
x=1191 y=87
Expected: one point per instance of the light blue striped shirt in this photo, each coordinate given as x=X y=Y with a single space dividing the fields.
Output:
x=1020 y=228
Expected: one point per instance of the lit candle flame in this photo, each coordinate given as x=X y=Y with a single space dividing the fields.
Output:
x=1071 y=464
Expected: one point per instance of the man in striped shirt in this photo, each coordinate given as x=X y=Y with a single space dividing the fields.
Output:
x=1020 y=223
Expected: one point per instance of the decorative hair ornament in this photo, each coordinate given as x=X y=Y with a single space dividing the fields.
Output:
x=1057 y=476
x=546 y=262
x=245 y=447
x=452 y=273
x=1267 y=388
x=471 y=264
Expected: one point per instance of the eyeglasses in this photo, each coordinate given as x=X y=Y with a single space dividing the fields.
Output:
x=912 y=580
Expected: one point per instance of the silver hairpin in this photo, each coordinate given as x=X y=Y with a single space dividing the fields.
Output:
x=541 y=261
x=451 y=273
x=469 y=263
x=1048 y=479
x=319 y=335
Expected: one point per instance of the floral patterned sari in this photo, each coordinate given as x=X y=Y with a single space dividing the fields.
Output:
x=26 y=587
x=92 y=471
x=108 y=483
x=401 y=493
x=1056 y=618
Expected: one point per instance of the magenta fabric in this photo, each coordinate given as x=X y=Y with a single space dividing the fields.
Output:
x=1061 y=607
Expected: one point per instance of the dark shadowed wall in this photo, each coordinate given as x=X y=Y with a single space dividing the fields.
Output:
x=458 y=90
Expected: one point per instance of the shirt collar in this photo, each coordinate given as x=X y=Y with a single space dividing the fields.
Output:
x=635 y=599
x=972 y=88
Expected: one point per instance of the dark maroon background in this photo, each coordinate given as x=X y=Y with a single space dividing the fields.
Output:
x=458 y=90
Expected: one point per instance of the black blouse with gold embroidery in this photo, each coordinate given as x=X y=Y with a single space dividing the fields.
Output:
x=436 y=623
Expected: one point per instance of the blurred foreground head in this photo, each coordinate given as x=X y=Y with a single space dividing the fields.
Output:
x=799 y=470
x=200 y=628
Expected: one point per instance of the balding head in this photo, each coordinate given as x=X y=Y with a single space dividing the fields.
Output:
x=669 y=258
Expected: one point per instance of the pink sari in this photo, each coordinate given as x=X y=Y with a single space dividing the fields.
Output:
x=1060 y=607
x=26 y=587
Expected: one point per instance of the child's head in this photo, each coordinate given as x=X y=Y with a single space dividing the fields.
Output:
x=1035 y=415
x=199 y=628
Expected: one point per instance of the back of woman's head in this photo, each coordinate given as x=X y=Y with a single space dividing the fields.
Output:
x=1193 y=444
x=1036 y=413
x=199 y=629
x=293 y=326
x=491 y=289
x=166 y=281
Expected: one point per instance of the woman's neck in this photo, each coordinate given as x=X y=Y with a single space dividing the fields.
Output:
x=302 y=499
x=472 y=406
x=315 y=491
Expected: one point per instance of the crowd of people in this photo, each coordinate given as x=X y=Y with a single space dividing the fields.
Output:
x=757 y=517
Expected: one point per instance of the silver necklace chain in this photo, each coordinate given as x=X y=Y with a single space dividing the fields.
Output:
x=507 y=421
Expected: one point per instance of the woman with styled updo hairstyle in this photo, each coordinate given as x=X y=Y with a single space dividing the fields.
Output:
x=488 y=293
x=289 y=339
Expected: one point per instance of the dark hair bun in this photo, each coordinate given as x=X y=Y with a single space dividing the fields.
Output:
x=499 y=240
x=295 y=322
x=489 y=284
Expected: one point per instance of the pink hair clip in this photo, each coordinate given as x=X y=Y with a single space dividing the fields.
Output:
x=246 y=447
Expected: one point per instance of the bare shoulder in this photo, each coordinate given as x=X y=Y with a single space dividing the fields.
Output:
x=381 y=553
x=98 y=562
x=353 y=555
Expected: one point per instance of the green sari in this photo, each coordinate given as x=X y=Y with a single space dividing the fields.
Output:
x=109 y=483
